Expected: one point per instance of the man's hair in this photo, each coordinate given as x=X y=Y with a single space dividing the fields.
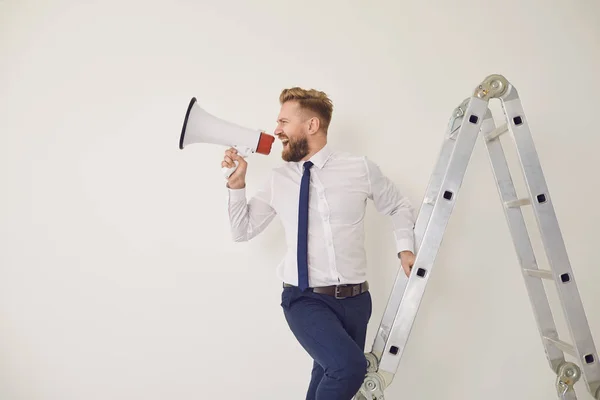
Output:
x=311 y=100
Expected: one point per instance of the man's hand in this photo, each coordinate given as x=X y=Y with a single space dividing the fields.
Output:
x=237 y=180
x=407 y=260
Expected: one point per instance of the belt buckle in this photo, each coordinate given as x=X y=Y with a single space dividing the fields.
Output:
x=337 y=292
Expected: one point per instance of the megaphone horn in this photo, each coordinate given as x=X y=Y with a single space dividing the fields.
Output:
x=201 y=127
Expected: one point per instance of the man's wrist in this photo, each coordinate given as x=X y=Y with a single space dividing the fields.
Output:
x=404 y=252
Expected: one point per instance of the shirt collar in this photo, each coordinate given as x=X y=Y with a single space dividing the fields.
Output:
x=319 y=159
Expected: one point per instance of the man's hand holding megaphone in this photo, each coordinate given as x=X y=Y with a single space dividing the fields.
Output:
x=237 y=180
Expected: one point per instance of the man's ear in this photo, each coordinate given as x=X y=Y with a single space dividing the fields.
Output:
x=313 y=125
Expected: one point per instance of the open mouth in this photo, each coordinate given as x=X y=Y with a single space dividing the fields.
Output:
x=285 y=142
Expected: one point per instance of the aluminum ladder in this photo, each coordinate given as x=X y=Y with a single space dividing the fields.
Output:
x=469 y=120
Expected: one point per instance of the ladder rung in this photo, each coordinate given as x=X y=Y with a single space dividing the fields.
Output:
x=496 y=132
x=540 y=273
x=518 y=203
x=563 y=346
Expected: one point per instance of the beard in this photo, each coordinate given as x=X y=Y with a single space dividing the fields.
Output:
x=295 y=150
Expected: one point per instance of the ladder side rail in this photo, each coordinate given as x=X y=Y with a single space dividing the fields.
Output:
x=476 y=115
x=587 y=355
x=524 y=250
x=422 y=220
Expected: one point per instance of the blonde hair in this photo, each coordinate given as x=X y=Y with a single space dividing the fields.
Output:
x=312 y=100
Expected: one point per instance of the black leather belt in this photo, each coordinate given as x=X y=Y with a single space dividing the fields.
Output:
x=339 y=291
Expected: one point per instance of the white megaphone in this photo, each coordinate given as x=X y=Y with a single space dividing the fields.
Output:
x=202 y=127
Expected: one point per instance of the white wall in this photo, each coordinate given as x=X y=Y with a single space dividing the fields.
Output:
x=118 y=278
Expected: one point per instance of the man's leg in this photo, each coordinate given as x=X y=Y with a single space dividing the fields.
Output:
x=316 y=321
x=357 y=312
x=315 y=380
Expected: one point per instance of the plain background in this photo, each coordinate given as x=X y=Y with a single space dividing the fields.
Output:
x=118 y=276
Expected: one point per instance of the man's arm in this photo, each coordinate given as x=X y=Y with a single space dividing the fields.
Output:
x=388 y=200
x=247 y=218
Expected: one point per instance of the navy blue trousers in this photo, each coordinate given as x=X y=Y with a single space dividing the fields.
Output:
x=333 y=332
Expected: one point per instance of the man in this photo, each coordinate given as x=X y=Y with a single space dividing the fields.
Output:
x=320 y=195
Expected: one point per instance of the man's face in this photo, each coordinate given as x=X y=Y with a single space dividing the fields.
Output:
x=292 y=130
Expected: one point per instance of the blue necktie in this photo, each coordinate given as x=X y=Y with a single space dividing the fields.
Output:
x=303 y=228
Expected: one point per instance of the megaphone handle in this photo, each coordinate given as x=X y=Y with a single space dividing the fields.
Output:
x=242 y=152
x=228 y=171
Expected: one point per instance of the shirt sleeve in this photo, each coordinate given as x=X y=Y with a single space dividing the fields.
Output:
x=249 y=218
x=388 y=200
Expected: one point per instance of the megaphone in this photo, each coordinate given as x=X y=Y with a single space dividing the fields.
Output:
x=201 y=127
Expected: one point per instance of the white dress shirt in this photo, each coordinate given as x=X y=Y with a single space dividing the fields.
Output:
x=340 y=185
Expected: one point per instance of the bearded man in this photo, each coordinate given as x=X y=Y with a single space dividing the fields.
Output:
x=320 y=196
